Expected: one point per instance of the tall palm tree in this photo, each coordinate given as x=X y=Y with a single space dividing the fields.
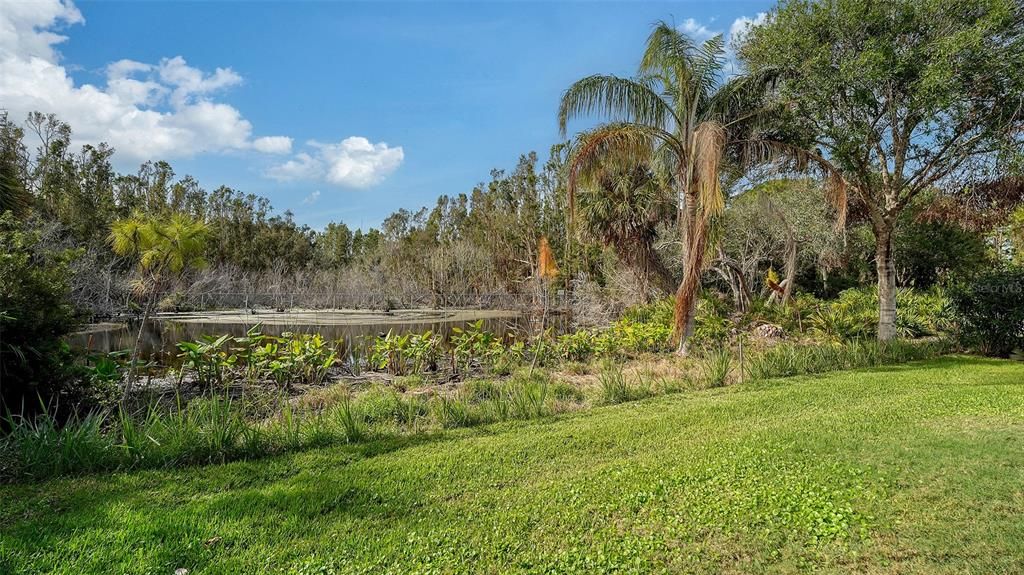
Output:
x=163 y=249
x=679 y=114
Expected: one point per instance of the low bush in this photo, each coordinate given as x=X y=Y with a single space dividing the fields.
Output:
x=990 y=311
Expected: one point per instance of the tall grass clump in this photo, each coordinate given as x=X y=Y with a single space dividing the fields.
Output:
x=716 y=366
x=615 y=387
x=527 y=396
x=38 y=447
x=786 y=360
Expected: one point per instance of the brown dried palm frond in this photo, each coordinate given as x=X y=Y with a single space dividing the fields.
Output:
x=709 y=146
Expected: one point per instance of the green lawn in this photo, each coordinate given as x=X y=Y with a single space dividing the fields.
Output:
x=910 y=469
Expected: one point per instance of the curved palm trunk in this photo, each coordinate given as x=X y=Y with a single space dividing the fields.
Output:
x=695 y=243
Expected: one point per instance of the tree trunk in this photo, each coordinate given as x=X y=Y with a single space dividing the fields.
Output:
x=129 y=376
x=790 y=278
x=886 y=270
x=688 y=292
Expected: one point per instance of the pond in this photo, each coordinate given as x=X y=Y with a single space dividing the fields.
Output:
x=165 y=330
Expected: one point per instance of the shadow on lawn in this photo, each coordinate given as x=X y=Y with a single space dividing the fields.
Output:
x=309 y=484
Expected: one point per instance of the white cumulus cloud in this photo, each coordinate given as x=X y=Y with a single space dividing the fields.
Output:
x=699 y=33
x=742 y=25
x=145 y=111
x=355 y=162
x=273 y=144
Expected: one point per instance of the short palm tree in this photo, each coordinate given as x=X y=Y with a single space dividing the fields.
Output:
x=620 y=207
x=680 y=116
x=163 y=249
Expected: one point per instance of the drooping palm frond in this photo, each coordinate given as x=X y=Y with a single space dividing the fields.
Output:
x=619 y=99
x=620 y=144
x=793 y=158
x=709 y=147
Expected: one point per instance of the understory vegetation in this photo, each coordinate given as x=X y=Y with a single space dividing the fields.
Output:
x=231 y=417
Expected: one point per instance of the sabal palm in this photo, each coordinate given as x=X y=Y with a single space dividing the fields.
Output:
x=679 y=114
x=620 y=207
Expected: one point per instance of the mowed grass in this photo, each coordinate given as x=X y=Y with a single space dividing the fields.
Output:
x=911 y=469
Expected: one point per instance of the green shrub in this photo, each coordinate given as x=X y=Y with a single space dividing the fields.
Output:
x=35 y=315
x=990 y=311
x=577 y=346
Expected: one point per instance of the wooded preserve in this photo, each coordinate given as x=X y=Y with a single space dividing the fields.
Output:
x=759 y=307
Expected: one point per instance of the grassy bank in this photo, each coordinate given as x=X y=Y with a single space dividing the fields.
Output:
x=906 y=469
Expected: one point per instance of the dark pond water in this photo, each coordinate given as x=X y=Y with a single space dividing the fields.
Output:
x=163 y=332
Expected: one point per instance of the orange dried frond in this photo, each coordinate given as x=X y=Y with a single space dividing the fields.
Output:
x=547 y=268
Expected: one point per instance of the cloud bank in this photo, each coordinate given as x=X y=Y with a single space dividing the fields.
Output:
x=161 y=110
x=145 y=111
x=354 y=162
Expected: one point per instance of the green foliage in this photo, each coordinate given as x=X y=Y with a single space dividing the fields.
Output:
x=990 y=311
x=208 y=359
x=474 y=345
x=564 y=391
x=287 y=360
x=853 y=315
x=787 y=359
x=576 y=346
x=35 y=314
x=716 y=366
x=616 y=388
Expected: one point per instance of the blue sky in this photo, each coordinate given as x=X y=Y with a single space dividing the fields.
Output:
x=337 y=111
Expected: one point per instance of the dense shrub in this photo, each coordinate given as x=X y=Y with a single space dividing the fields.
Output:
x=35 y=314
x=990 y=311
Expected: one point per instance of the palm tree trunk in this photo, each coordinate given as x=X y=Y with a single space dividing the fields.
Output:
x=129 y=376
x=695 y=242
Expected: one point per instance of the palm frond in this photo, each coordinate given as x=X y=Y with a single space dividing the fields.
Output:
x=709 y=148
x=618 y=99
x=613 y=145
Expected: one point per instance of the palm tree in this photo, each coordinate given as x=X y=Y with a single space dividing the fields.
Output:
x=164 y=249
x=680 y=116
x=620 y=207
